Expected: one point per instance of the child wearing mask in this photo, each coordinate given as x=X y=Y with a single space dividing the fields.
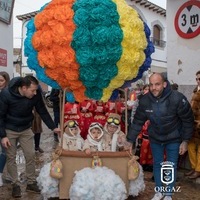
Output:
x=94 y=141
x=115 y=139
x=72 y=139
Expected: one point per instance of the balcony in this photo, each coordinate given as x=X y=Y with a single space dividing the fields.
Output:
x=158 y=43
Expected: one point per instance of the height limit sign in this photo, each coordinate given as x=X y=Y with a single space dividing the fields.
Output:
x=187 y=19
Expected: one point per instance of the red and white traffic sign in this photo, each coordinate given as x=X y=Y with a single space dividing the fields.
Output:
x=187 y=19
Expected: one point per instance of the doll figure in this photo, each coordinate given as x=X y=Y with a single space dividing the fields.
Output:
x=115 y=139
x=72 y=139
x=94 y=141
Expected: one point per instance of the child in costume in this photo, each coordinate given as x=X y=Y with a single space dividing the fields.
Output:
x=94 y=141
x=86 y=109
x=110 y=107
x=115 y=139
x=72 y=112
x=99 y=112
x=121 y=108
x=145 y=154
x=72 y=139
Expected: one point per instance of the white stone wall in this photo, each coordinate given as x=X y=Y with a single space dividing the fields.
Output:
x=25 y=70
x=6 y=42
x=182 y=54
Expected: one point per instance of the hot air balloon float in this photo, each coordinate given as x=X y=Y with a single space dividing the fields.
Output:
x=90 y=48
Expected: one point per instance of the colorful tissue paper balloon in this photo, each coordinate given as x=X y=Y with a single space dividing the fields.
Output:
x=70 y=97
x=115 y=95
x=89 y=47
x=147 y=63
x=144 y=67
x=32 y=60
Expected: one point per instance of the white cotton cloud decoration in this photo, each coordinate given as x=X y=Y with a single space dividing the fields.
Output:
x=138 y=185
x=47 y=184
x=97 y=183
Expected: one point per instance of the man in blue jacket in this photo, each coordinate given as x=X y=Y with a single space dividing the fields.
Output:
x=16 y=106
x=170 y=129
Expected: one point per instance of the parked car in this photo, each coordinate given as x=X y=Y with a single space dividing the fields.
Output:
x=48 y=102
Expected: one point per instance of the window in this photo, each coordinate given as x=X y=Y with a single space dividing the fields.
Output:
x=157 y=36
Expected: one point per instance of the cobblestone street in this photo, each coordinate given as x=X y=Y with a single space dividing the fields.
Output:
x=189 y=189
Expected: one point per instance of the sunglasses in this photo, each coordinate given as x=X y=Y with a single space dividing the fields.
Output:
x=72 y=124
x=197 y=79
x=111 y=120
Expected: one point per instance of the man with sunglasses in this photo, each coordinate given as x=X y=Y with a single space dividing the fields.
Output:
x=171 y=127
x=194 y=143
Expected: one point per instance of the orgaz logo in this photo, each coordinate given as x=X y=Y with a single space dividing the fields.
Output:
x=167 y=173
x=167 y=177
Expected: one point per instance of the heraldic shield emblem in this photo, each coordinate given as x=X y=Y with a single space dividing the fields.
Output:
x=167 y=173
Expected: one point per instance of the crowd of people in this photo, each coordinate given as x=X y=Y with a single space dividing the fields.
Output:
x=162 y=126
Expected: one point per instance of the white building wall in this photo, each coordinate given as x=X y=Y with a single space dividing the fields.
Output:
x=6 y=43
x=182 y=54
x=25 y=70
x=159 y=58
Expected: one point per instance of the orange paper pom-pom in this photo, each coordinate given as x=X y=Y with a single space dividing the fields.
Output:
x=52 y=40
x=80 y=94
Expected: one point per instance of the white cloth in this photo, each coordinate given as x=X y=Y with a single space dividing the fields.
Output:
x=95 y=143
x=114 y=137
x=78 y=139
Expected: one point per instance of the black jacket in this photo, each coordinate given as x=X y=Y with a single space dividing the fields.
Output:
x=54 y=97
x=171 y=118
x=16 y=110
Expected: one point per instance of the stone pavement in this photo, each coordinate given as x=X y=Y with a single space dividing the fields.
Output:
x=189 y=189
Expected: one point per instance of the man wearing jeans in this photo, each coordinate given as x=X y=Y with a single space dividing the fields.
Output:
x=170 y=129
x=16 y=106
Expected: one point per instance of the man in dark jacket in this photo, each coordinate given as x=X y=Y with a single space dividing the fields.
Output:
x=171 y=127
x=16 y=106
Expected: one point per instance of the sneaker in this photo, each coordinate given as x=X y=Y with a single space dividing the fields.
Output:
x=39 y=150
x=157 y=196
x=167 y=198
x=33 y=188
x=1 y=180
x=16 y=191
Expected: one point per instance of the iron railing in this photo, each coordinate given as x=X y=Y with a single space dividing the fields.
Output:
x=157 y=42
